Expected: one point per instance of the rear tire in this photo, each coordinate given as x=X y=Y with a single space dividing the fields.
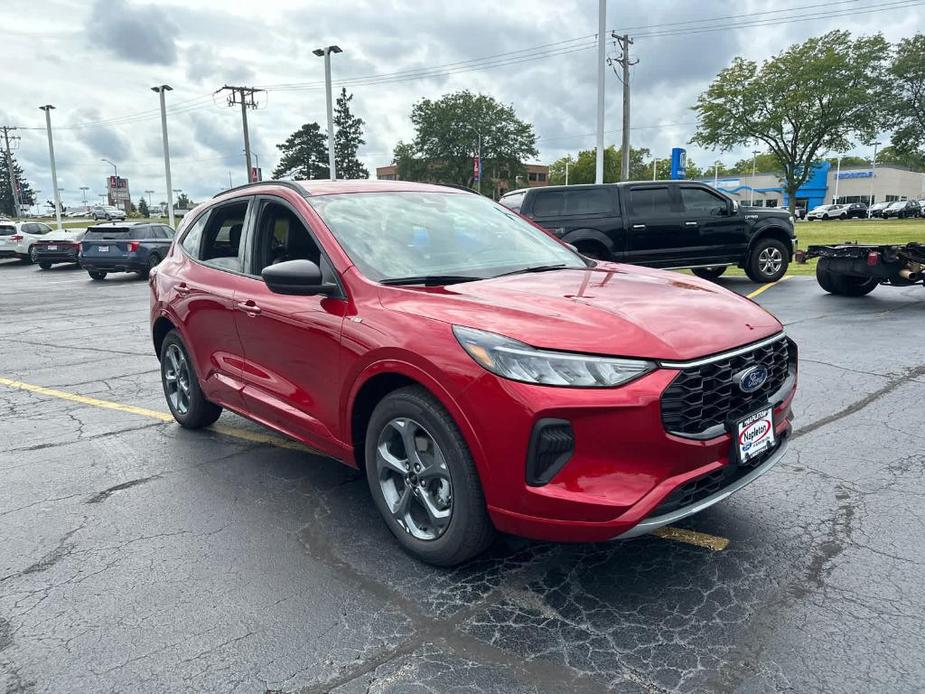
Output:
x=448 y=484
x=98 y=276
x=153 y=261
x=184 y=396
x=709 y=273
x=592 y=250
x=45 y=266
x=843 y=285
x=767 y=261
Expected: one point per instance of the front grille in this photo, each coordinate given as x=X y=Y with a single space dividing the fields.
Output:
x=701 y=398
x=700 y=488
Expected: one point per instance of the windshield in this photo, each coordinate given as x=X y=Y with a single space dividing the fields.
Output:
x=396 y=235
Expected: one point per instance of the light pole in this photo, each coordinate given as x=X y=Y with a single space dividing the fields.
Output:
x=716 y=166
x=35 y=201
x=568 y=158
x=162 y=91
x=48 y=108
x=873 y=175
x=479 y=155
x=601 y=55
x=654 y=168
x=84 y=189
x=751 y=201
x=326 y=54
x=256 y=160
x=150 y=194
x=837 y=176
x=115 y=169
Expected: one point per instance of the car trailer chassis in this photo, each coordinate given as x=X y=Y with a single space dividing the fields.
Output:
x=853 y=269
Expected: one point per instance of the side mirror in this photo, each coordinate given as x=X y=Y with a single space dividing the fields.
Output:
x=299 y=277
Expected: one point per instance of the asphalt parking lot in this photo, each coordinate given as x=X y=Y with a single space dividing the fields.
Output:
x=137 y=556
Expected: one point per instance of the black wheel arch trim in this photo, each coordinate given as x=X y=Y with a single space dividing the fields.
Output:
x=578 y=235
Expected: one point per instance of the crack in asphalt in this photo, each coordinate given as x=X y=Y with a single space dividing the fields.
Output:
x=106 y=493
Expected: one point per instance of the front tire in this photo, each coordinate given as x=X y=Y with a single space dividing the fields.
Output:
x=45 y=266
x=709 y=273
x=768 y=261
x=184 y=396
x=98 y=276
x=843 y=285
x=423 y=480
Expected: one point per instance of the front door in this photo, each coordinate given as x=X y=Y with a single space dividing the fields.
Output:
x=721 y=235
x=657 y=233
x=291 y=343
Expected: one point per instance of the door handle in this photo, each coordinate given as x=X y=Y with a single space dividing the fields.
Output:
x=691 y=224
x=639 y=226
x=182 y=289
x=249 y=307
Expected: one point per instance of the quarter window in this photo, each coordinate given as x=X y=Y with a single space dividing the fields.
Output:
x=221 y=246
x=192 y=240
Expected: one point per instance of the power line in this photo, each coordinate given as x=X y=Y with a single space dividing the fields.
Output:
x=243 y=96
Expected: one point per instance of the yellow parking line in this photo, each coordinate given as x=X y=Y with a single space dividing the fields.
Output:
x=235 y=432
x=692 y=537
x=766 y=287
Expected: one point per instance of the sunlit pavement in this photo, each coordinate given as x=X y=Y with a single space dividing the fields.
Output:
x=136 y=556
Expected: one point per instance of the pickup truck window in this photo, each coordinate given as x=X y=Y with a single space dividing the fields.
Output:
x=698 y=201
x=582 y=201
x=513 y=201
x=650 y=201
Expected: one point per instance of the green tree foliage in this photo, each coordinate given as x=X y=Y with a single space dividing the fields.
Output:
x=582 y=167
x=445 y=140
x=305 y=154
x=852 y=160
x=348 y=138
x=26 y=196
x=184 y=202
x=890 y=155
x=811 y=98
x=907 y=104
x=143 y=208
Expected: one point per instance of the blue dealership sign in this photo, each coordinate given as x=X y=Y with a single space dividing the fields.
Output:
x=856 y=174
x=678 y=163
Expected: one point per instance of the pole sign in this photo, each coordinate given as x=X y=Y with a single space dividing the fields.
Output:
x=476 y=169
x=256 y=174
x=118 y=192
x=678 y=163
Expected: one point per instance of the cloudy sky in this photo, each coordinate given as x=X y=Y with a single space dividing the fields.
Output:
x=96 y=60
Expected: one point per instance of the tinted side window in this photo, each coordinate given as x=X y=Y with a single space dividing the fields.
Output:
x=650 y=201
x=514 y=201
x=166 y=231
x=192 y=240
x=29 y=227
x=549 y=204
x=588 y=201
x=221 y=245
x=701 y=202
x=142 y=232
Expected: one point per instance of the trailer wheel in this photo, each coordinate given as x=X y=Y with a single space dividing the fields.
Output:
x=843 y=285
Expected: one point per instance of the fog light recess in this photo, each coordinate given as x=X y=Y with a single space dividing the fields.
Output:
x=551 y=445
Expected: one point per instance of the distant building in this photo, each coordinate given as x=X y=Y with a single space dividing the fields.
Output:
x=854 y=184
x=537 y=175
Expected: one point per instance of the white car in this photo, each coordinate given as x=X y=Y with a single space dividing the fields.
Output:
x=108 y=212
x=17 y=239
x=823 y=212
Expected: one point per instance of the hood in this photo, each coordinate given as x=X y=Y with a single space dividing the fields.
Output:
x=611 y=309
x=768 y=211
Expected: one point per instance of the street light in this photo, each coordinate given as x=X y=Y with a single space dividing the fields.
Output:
x=115 y=169
x=479 y=155
x=48 y=108
x=751 y=202
x=837 y=176
x=716 y=166
x=873 y=175
x=85 y=189
x=326 y=53
x=654 y=168
x=162 y=90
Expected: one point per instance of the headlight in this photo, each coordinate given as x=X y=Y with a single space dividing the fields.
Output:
x=521 y=362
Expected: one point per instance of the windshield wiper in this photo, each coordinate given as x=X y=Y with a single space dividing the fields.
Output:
x=533 y=268
x=430 y=280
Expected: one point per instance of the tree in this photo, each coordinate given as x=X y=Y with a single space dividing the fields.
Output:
x=7 y=201
x=348 y=138
x=143 y=208
x=907 y=105
x=582 y=167
x=890 y=155
x=446 y=139
x=812 y=97
x=184 y=202
x=305 y=154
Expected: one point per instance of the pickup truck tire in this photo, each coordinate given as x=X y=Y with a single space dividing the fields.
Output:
x=709 y=273
x=595 y=251
x=767 y=261
x=843 y=285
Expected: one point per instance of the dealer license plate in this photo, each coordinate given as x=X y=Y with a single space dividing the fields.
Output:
x=52 y=248
x=103 y=249
x=755 y=434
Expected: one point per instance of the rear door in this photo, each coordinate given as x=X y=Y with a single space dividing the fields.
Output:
x=581 y=214
x=657 y=235
x=721 y=235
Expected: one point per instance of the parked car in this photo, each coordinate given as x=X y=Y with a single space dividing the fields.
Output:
x=17 y=239
x=876 y=210
x=107 y=212
x=124 y=247
x=902 y=209
x=849 y=210
x=58 y=247
x=484 y=374
x=664 y=224
x=821 y=212
x=799 y=212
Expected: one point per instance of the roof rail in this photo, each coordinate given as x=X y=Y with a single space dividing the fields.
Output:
x=286 y=184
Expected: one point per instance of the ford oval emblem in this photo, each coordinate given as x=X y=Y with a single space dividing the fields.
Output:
x=751 y=379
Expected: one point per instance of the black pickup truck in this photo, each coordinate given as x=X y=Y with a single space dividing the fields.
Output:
x=665 y=224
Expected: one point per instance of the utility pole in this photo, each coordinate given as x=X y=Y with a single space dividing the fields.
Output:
x=751 y=201
x=326 y=53
x=48 y=108
x=162 y=92
x=601 y=56
x=245 y=97
x=17 y=207
x=625 y=42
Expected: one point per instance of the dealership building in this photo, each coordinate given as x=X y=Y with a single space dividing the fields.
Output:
x=827 y=184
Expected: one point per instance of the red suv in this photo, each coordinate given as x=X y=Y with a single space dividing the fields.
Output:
x=483 y=374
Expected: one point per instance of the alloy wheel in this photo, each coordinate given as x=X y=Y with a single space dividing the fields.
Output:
x=177 y=379
x=770 y=260
x=33 y=254
x=414 y=478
